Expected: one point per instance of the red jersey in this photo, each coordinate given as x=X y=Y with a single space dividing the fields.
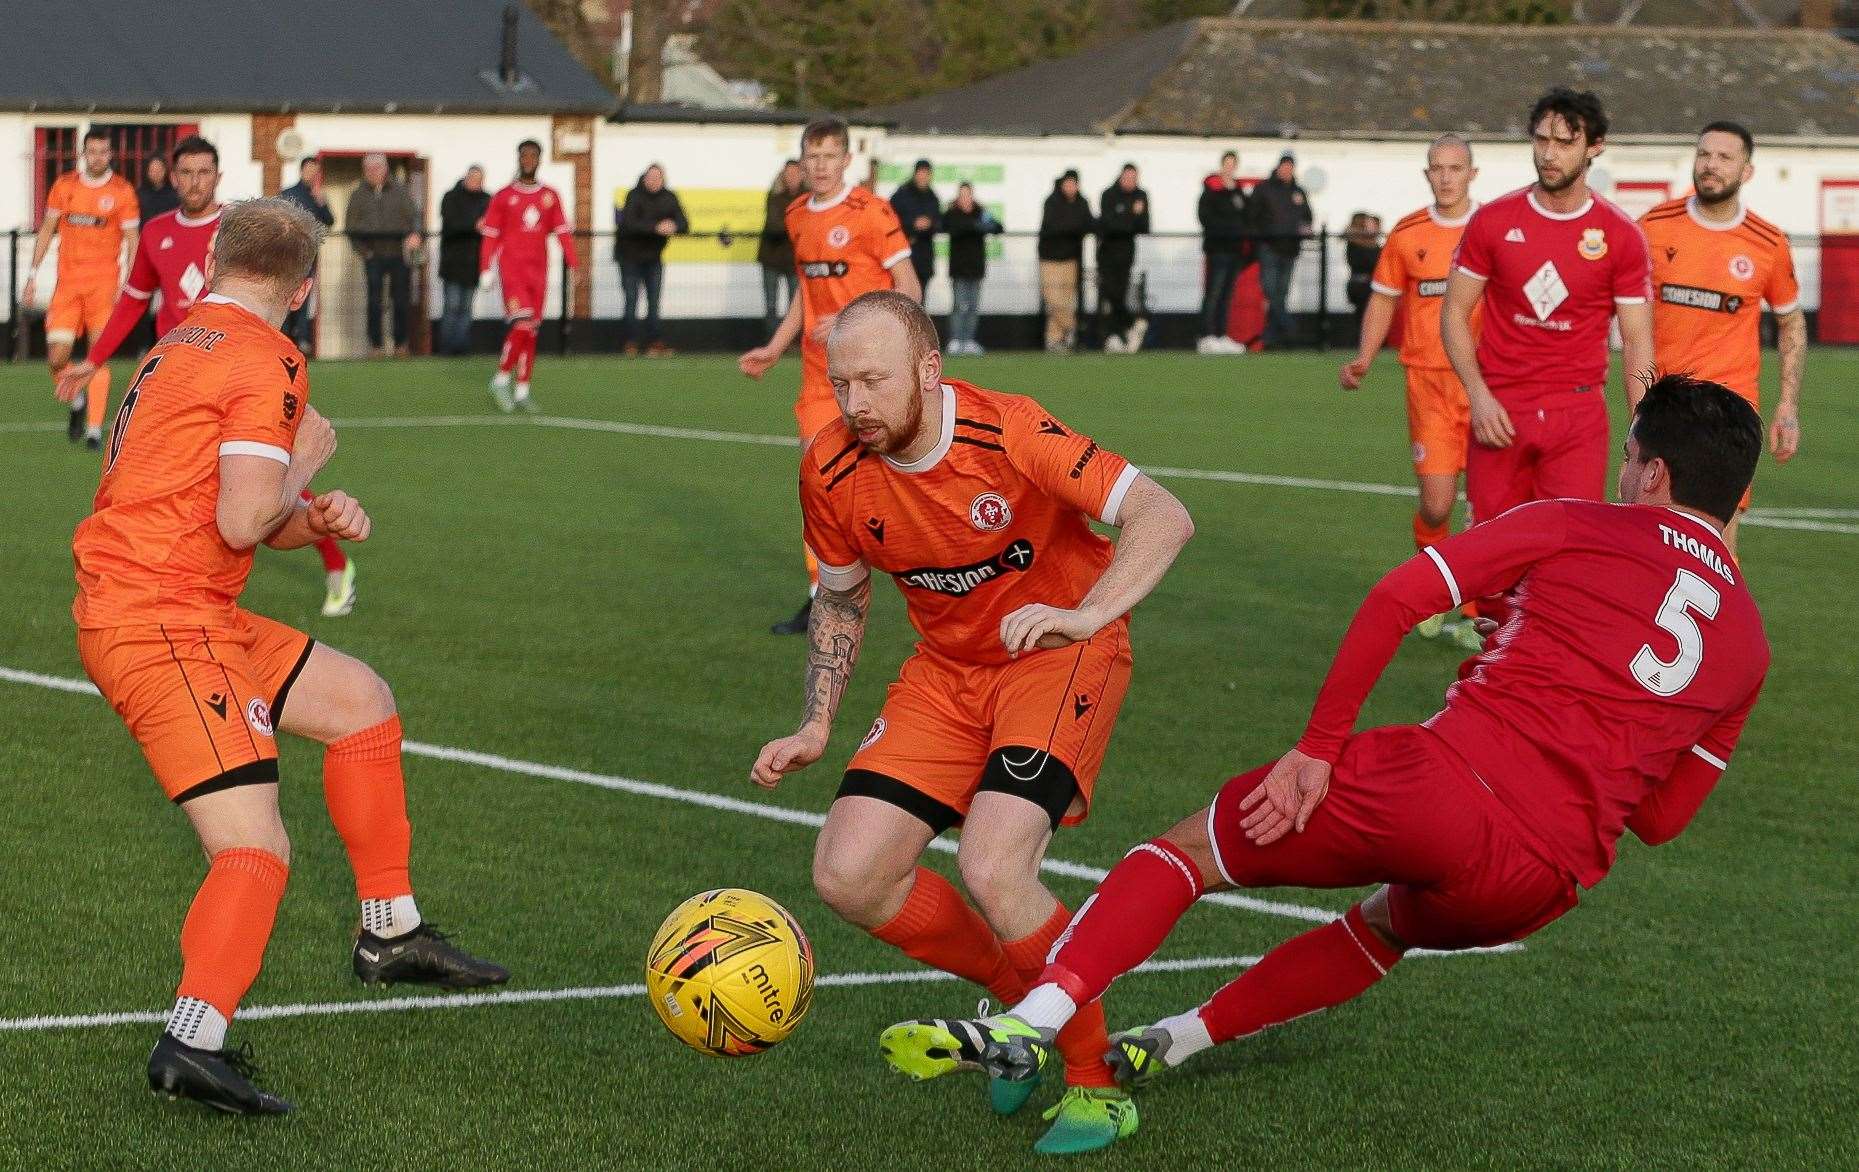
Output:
x=171 y=258
x=1632 y=646
x=994 y=517
x=1552 y=280
x=517 y=227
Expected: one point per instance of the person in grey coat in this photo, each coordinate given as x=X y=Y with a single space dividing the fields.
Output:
x=383 y=224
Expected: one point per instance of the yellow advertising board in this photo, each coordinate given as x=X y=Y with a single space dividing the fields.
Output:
x=726 y=224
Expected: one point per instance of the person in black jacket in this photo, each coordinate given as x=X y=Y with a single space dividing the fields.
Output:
x=1282 y=219
x=650 y=216
x=307 y=193
x=1064 y=224
x=920 y=212
x=460 y=211
x=968 y=225
x=1361 y=249
x=156 y=194
x=1123 y=216
x=1224 y=247
x=775 y=253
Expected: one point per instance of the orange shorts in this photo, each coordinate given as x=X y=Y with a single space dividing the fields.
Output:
x=942 y=722
x=201 y=702
x=79 y=307
x=1439 y=421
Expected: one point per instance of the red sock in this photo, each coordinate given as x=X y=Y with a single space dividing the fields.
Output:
x=937 y=927
x=507 y=357
x=1426 y=535
x=223 y=939
x=334 y=560
x=1325 y=966
x=525 y=354
x=1126 y=919
x=1083 y=1041
x=367 y=799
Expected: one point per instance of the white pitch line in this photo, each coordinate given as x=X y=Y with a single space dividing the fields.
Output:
x=713 y=801
x=1805 y=519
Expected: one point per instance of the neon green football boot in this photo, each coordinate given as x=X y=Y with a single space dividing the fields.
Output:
x=1136 y=1056
x=1088 y=1119
x=1003 y=1046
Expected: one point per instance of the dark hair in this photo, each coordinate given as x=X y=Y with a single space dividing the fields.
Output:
x=1581 y=109
x=193 y=144
x=1127 y=167
x=308 y=159
x=821 y=129
x=96 y=133
x=1725 y=126
x=1233 y=155
x=528 y=142
x=1709 y=437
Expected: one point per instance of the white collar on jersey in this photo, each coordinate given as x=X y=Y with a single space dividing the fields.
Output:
x=1697 y=519
x=1736 y=221
x=222 y=299
x=87 y=181
x=1578 y=213
x=1462 y=221
x=814 y=205
x=184 y=222
x=934 y=456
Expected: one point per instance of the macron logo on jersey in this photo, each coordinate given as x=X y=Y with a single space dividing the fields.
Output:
x=1514 y=236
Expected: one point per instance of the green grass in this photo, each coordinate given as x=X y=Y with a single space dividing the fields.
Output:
x=600 y=600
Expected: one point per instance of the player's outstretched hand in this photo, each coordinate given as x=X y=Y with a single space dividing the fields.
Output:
x=787 y=755
x=339 y=515
x=1352 y=373
x=74 y=379
x=756 y=362
x=1044 y=627
x=1491 y=425
x=1285 y=800
x=315 y=442
x=1784 y=435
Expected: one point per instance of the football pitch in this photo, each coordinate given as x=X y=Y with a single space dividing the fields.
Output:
x=573 y=613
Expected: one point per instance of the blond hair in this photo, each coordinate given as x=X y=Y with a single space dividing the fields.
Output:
x=271 y=240
x=917 y=324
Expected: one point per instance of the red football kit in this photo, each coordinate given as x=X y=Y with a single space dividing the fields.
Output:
x=171 y=258
x=516 y=231
x=1552 y=280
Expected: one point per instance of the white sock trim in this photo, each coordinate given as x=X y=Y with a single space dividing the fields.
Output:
x=1187 y=1036
x=388 y=918
x=195 y=1023
x=1047 y=1007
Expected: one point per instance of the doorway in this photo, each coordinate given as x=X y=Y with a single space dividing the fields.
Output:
x=342 y=302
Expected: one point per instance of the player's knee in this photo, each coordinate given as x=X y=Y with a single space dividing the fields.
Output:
x=850 y=885
x=999 y=881
x=259 y=832
x=365 y=700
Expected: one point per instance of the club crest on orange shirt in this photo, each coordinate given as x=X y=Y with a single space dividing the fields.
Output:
x=838 y=235
x=1593 y=244
x=258 y=713
x=871 y=738
x=1741 y=267
x=989 y=512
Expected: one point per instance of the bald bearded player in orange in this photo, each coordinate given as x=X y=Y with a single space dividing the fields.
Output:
x=978 y=505
x=847 y=242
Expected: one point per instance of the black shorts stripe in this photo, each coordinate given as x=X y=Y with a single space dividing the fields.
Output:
x=863 y=783
x=263 y=772
x=189 y=689
x=277 y=701
x=232 y=697
x=977 y=425
x=992 y=447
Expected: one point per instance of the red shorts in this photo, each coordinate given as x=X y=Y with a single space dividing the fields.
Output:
x=1557 y=452
x=524 y=294
x=1405 y=811
x=943 y=720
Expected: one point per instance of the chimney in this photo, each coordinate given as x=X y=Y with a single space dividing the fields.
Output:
x=506 y=57
x=1817 y=14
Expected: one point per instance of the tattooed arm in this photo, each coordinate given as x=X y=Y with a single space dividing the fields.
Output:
x=1785 y=430
x=835 y=632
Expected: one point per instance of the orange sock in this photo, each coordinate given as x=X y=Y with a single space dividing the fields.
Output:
x=223 y=939
x=1425 y=535
x=99 y=393
x=938 y=927
x=1083 y=1041
x=367 y=799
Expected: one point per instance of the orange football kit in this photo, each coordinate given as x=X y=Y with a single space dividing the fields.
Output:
x=93 y=215
x=1414 y=266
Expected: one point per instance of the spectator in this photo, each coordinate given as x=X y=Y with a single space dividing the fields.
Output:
x=1281 y=217
x=776 y=252
x=460 y=211
x=1124 y=216
x=1066 y=221
x=969 y=225
x=920 y=212
x=383 y=228
x=1224 y=245
x=156 y=194
x=307 y=193
x=650 y=216
x=1361 y=248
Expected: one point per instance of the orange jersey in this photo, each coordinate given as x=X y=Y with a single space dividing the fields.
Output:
x=1414 y=266
x=223 y=382
x=1709 y=282
x=842 y=249
x=92 y=217
x=996 y=516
